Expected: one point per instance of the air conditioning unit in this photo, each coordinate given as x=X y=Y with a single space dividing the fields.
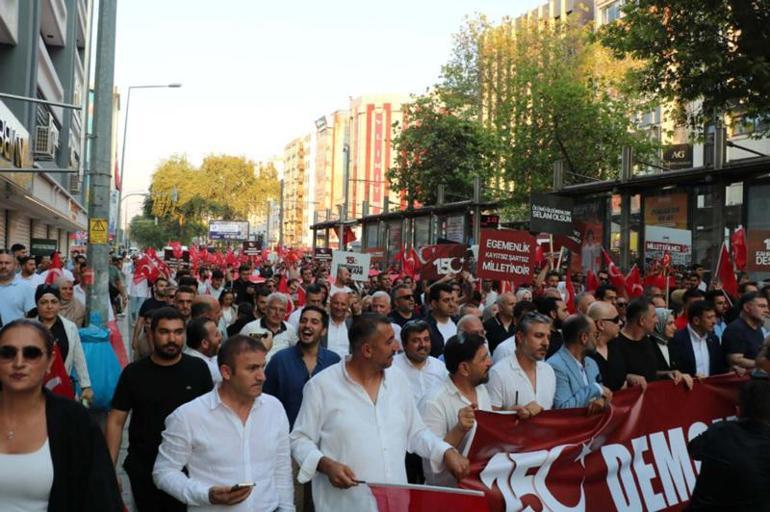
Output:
x=75 y=183
x=46 y=140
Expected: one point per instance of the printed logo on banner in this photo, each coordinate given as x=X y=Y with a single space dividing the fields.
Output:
x=758 y=250
x=438 y=260
x=551 y=214
x=506 y=255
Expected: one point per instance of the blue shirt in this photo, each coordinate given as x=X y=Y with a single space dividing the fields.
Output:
x=286 y=375
x=16 y=299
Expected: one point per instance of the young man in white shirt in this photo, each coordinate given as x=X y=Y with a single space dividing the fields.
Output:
x=524 y=382
x=203 y=342
x=358 y=420
x=232 y=435
x=442 y=327
x=448 y=408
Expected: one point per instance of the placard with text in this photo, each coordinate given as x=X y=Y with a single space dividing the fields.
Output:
x=506 y=255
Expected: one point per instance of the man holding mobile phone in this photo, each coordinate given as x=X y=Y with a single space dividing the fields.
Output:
x=234 y=440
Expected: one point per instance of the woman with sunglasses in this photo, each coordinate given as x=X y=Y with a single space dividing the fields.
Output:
x=52 y=456
x=65 y=334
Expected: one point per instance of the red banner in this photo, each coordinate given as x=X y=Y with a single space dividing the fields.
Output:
x=631 y=457
x=506 y=255
x=436 y=261
x=424 y=498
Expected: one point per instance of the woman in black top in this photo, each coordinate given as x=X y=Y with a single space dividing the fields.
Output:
x=665 y=328
x=61 y=461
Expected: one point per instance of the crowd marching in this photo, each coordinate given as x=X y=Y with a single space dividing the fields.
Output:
x=278 y=383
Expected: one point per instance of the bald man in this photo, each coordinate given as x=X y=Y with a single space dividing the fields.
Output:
x=583 y=301
x=606 y=355
x=207 y=306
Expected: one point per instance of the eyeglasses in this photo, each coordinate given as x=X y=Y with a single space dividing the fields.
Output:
x=615 y=320
x=30 y=353
x=621 y=304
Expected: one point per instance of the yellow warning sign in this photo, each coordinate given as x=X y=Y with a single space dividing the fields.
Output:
x=97 y=231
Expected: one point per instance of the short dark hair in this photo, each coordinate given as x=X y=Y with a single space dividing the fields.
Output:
x=314 y=288
x=461 y=348
x=200 y=309
x=18 y=247
x=713 y=294
x=698 y=308
x=552 y=273
x=164 y=313
x=187 y=281
x=24 y=259
x=693 y=293
x=602 y=290
x=364 y=328
x=159 y=279
x=36 y=326
x=235 y=345
x=196 y=331
x=244 y=268
x=523 y=307
x=436 y=289
x=573 y=327
x=636 y=308
x=185 y=289
x=754 y=398
x=412 y=327
x=320 y=311
x=217 y=274
x=261 y=291
x=246 y=309
x=546 y=304
x=749 y=297
x=742 y=286
x=225 y=292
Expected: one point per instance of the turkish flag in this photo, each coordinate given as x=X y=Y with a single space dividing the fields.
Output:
x=570 y=288
x=738 y=245
x=726 y=274
x=592 y=283
x=56 y=380
x=409 y=262
x=230 y=258
x=419 y=498
x=350 y=236
x=55 y=270
x=634 y=282
x=616 y=276
x=176 y=249
x=300 y=297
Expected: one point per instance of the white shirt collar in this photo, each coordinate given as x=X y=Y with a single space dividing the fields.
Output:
x=695 y=336
x=214 y=400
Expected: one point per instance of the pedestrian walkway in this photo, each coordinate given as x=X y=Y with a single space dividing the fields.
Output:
x=125 y=486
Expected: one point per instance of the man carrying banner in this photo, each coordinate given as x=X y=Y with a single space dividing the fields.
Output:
x=357 y=421
x=525 y=382
x=448 y=409
x=578 y=381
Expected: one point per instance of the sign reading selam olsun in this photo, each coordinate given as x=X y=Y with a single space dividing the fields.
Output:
x=550 y=214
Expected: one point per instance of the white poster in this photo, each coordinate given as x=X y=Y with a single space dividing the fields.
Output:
x=358 y=264
x=677 y=242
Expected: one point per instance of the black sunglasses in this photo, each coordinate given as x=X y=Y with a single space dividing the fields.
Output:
x=30 y=352
x=615 y=320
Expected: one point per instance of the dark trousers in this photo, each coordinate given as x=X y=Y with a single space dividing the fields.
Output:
x=414 y=473
x=149 y=498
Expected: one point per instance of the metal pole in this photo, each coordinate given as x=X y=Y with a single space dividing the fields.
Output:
x=345 y=186
x=280 y=219
x=98 y=299
x=120 y=232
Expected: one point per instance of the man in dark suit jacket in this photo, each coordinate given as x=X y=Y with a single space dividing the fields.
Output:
x=696 y=348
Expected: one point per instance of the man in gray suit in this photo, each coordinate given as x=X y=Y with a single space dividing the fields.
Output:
x=578 y=382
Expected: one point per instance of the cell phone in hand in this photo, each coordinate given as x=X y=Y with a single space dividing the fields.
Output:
x=238 y=487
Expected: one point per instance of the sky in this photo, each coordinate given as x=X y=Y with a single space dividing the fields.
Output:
x=256 y=73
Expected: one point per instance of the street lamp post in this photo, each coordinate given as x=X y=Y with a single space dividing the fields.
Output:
x=119 y=230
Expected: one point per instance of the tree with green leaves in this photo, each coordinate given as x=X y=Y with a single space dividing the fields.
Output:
x=705 y=57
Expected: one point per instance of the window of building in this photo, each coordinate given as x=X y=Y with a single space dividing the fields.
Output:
x=703 y=235
x=612 y=11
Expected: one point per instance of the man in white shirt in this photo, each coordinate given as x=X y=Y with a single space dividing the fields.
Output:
x=381 y=306
x=203 y=341
x=524 y=382
x=231 y=435
x=216 y=285
x=283 y=334
x=28 y=272
x=448 y=408
x=442 y=327
x=358 y=420
x=337 y=333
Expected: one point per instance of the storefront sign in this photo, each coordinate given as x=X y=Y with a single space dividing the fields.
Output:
x=42 y=246
x=550 y=214
x=678 y=156
x=358 y=264
x=438 y=260
x=322 y=253
x=758 y=248
x=15 y=149
x=506 y=255
x=633 y=456
x=228 y=230
x=668 y=210
x=659 y=240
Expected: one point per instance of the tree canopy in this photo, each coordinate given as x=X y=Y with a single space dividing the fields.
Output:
x=702 y=57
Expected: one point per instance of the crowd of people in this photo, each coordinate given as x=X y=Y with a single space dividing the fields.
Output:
x=279 y=386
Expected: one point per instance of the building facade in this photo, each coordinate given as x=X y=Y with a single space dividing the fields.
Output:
x=42 y=53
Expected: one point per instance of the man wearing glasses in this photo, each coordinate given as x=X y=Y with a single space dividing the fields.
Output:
x=607 y=321
x=403 y=305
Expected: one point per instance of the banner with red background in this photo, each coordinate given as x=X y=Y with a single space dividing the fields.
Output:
x=631 y=457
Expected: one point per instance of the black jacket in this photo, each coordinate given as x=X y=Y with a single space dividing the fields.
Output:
x=681 y=350
x=83 y=475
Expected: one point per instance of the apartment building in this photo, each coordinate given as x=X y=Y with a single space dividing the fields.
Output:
x=42 y=54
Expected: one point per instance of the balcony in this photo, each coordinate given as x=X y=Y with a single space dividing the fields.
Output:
x=9 y=21
x=53 y=22
x=80 y=35
x=48 y=80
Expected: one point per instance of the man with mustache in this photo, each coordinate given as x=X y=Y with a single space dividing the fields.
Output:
x=448 y=408
x=151 y=389
x=524 y=382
